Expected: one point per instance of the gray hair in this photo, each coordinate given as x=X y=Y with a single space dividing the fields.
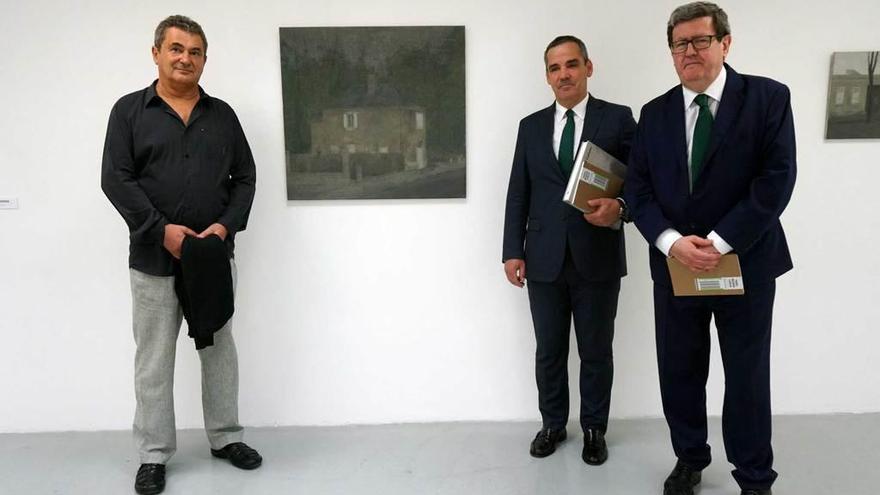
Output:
x=695 y=10
x=181 y=22
x=561 y=40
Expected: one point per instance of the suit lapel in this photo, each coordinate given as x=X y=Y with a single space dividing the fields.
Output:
x=592 y=119
x=675 y=123
x=728 y=111
x=546 y=139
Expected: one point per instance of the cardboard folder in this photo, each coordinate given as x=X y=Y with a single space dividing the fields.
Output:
x=725 y=280
x=595 y=174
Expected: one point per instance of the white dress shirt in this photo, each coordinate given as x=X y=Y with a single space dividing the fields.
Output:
x=668 y=237
x=580 y=111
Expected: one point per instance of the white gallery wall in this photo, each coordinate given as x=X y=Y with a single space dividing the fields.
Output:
x=396 y=311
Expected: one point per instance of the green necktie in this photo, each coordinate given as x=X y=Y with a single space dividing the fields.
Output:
x=702 y=132
x=566 y=144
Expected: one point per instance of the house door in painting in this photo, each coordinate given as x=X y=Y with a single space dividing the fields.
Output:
x=421 y=157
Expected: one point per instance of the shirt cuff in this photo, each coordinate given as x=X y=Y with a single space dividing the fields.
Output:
x=666 y=239
x=720 y=244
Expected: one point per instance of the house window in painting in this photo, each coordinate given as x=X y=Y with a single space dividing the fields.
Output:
x=840 y=96
x=855 y=97
x=350 y=120
x=420 y=120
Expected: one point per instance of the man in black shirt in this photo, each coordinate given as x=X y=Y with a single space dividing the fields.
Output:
x=176 y=163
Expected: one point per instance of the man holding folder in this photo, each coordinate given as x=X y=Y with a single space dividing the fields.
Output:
x=574 y=261
x=711 y=170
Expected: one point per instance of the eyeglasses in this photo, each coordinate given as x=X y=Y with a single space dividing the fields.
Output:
x=699 y=42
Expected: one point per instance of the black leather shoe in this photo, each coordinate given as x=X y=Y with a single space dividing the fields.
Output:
x=595 y=451
x=240 y=455
x=754 y=491
x=150 y=479
x=545 y=442
x=682 y=480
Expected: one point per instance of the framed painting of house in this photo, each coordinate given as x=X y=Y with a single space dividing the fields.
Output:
x=853 y=96
x=374 y=112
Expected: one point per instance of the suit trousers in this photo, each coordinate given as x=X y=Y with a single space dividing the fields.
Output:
x=157 y=317
x=683 y=348
x=594 y=307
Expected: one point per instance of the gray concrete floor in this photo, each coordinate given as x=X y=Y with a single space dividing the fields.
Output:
x=814 y=455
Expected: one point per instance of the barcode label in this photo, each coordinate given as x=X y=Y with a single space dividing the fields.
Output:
x=719 y=283
x=594 y=179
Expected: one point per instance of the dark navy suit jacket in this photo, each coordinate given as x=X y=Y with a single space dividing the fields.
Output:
x=746 y=181
x=537 y=223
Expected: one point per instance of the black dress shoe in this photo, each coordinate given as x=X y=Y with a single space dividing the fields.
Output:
x=150 y=479
x=240 y=455
x=545 y=442
x=682 y=480
x=754 y=491
x=595 y=451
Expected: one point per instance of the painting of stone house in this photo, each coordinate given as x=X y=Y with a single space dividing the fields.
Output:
x=853 y=110
x=374 y=113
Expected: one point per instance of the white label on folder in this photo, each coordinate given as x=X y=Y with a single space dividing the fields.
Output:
x=594 y=179
x=719 y=283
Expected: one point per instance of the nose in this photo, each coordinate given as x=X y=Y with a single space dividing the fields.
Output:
x=691 y=50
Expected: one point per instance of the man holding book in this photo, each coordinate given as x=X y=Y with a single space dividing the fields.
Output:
x=573 y=262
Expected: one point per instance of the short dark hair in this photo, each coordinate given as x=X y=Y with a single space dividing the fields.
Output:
x=567 y=38
x=695 y=10
x=181 y=22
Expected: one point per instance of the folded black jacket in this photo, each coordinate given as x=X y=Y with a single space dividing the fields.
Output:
x=203 y=282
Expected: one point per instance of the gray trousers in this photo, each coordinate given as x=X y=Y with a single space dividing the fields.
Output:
x=157 y=316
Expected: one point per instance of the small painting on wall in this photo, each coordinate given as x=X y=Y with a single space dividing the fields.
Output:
x=374 y=112
x=853 y=96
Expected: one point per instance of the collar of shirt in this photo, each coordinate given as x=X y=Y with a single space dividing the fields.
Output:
x=580 y=110
x=151 y=95
x=714 y=91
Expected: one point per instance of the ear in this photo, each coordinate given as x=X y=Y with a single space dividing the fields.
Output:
x=589 y=66
x=725 y=45
x=155 y=52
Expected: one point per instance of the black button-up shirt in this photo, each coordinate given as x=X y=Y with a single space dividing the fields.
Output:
x=157 y=170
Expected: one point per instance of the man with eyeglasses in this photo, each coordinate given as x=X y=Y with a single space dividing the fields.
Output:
x=711 y=169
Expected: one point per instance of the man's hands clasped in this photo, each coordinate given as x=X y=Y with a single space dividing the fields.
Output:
x=174 y=235
x=696 y=253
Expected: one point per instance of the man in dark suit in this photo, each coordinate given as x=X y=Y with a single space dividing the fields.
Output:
x=711 y=170
x=574 y=261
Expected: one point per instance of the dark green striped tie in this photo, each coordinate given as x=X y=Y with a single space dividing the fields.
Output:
x=702 y=133
x=566 y=144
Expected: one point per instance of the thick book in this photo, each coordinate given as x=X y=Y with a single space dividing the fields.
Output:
x=595 y=174
x=725 y=280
